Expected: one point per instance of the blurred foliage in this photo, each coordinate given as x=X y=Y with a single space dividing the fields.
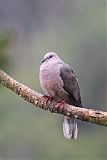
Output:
x=4 y=44
x=27 y=132
x=76 y=30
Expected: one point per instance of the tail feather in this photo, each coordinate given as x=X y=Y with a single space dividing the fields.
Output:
x=70 y=129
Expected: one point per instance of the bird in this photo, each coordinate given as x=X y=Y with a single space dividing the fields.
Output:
x=58 y=80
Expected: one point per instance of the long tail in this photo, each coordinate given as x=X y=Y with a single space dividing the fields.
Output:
x=70 y=129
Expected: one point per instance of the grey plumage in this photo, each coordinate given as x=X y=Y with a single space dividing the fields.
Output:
x=58 y=80
x=71 y=85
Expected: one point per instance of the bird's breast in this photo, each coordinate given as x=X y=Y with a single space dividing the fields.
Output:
x=50 y=79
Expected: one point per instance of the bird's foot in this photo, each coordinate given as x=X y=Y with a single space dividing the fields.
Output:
x=60 y=104
x=47 y=98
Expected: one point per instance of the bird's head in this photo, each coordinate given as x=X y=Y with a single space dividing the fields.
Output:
x=50 y=56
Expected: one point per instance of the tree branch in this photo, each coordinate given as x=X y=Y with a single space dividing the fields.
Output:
x=89 y=115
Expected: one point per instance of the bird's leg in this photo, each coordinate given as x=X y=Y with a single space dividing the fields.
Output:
x=60 y=104
x=48 y=98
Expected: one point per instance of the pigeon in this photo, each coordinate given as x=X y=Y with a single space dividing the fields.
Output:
x=58 y=80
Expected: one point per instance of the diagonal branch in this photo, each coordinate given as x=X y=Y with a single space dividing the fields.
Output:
x=89 y=115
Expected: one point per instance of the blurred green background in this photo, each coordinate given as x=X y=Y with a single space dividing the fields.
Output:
x=76 y=30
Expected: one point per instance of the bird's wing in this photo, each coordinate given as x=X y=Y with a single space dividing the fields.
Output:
x=71 y=85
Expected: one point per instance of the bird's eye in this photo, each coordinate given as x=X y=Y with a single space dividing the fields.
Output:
x=50 y=56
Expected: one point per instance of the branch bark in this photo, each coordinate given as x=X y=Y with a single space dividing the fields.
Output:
x=89 y=115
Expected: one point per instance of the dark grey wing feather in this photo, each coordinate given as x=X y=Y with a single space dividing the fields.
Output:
x=71 y=85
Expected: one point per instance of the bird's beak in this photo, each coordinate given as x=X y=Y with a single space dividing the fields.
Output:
x=43 y=60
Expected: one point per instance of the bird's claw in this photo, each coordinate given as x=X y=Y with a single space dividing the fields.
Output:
x=47 y=98
x=60 y=104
